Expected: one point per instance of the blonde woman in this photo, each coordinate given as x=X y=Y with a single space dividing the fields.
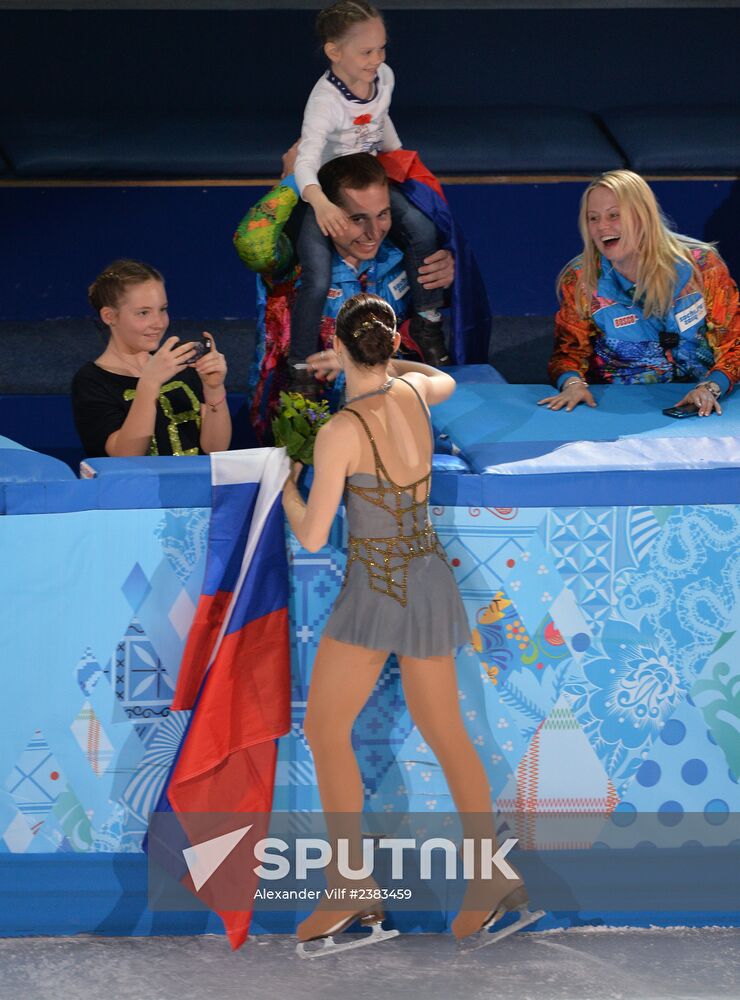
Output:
x=642 y=303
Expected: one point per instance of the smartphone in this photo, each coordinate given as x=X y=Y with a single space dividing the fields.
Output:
x=200 y=347
x=687 y=410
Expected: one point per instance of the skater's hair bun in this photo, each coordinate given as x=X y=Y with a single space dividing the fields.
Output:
x=366 y=326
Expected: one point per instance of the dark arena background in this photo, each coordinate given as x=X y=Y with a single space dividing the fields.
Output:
x=143 y=129
x=148 y=129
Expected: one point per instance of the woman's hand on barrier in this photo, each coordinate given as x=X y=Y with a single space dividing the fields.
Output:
x=569 y=397
x=703 y=399
x=324 y=364
x=211 y=366
x=289 y=158
x=165 y=363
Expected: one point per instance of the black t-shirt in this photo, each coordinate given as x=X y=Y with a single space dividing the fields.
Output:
x=101 y=401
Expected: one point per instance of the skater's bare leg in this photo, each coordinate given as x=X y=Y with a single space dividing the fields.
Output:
x=430 y=688
x=343 y=679
x=431 y=691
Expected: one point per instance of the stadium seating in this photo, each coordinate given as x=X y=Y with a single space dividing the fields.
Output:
x=184 y=94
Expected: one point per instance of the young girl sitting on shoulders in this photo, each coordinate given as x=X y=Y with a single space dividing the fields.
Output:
x=347 y=112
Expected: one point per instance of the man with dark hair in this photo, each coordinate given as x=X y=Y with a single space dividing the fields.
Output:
x=358 y=170
x=358 y=183
x=363 y=261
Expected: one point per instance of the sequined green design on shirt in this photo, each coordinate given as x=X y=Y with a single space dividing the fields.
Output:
x=173 y=419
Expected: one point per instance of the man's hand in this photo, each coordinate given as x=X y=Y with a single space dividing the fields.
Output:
x=438 y=270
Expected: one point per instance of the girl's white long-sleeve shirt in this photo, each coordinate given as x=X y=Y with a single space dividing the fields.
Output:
x=336 y=125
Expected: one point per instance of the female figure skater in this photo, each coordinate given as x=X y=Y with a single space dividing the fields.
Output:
x=399 y=595
x=347 y=112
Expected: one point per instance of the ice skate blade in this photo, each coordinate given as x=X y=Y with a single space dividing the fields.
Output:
x=485 y=937
x=328 y=946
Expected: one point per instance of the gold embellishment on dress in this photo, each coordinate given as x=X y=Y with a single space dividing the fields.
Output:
x=387 y=558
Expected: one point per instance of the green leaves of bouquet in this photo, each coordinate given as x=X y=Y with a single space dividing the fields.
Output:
x=297 y=424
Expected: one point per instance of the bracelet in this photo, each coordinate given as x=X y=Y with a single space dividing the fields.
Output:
x=214 y=406
x=573 y=380
x=710 y=387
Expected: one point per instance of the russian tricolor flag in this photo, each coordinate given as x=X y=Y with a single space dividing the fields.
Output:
x=235 y=672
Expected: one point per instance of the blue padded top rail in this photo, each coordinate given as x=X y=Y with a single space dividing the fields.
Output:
x=492 y=424
x=21 y=465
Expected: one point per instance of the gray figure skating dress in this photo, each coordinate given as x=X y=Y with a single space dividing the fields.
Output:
x=398 y=593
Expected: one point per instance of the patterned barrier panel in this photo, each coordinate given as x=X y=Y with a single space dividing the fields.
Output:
x=599 y=675
x=602 y=675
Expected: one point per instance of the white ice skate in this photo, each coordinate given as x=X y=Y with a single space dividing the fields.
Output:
x=517 y=902
x=320 y=944
x=485 y=936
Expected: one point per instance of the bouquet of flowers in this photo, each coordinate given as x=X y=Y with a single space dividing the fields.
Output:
x=297 y=423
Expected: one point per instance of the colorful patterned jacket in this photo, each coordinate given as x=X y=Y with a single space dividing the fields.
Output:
x=617 y=343
x=278 y=277
x=264 y=247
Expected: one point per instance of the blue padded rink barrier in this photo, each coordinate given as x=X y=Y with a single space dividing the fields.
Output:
x=581 y=556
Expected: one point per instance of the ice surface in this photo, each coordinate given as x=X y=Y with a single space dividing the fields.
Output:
x=585 y=963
